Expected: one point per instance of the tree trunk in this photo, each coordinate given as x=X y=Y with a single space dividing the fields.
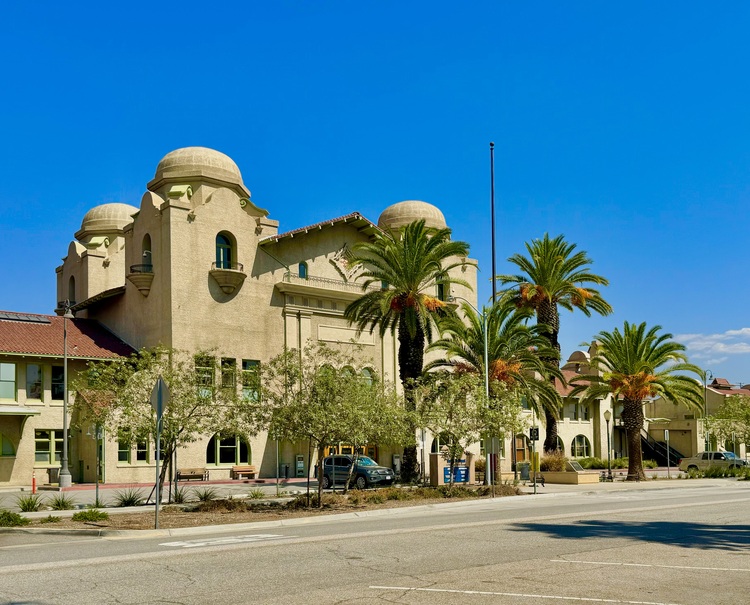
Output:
x=410 y=361
x=632 y=419
x=547 y=314
x=321 y=459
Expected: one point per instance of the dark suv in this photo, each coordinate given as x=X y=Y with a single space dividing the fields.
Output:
x=366 y=471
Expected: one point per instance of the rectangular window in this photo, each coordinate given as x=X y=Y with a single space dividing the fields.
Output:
x=123 y=449
x=48 y=446
x=58 y=383
x=228 y=371
x=8 y=381
x=584 y=413
x=204 y=375
x=228 y=450
x=33 y=381
x=250 y=379
x=141 y=451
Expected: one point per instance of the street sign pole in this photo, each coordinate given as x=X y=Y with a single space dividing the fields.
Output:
x=159 y=399
x=666 y=438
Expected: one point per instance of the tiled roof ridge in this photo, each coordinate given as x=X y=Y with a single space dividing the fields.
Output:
x=330 y=221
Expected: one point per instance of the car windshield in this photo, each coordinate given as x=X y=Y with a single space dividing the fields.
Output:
x=730 y=455
x=365 y=461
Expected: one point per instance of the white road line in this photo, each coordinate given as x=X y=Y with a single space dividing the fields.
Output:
x=223 y=541
x=649 y=565
x=519 y=595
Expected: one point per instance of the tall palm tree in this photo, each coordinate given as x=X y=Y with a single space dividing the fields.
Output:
x=515 y=351
x=634 y=364
x=554 y=275
x=410 y=263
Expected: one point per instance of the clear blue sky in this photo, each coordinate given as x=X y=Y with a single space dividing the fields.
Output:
x=624 y=126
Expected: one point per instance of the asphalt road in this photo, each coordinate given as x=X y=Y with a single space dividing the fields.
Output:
x=686 y=544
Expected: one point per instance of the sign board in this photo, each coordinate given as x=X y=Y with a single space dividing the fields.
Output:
x=460 y=474
x=160 y=396
x=534 y=433
x=666 y=434
x=575 y=466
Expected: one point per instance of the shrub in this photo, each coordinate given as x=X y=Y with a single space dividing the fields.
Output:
x=206 y=494
x=329 y=501
x=650 y=464
x=553 y=462
x=50 y=519
x=223 y=504
x=10 y=519
x=355 y=498
x=480 y=465
x=61 y=502
x=29 y=504
x=181 y=495
x=256 y=494
x=97 y=503
x=592 y=463
x=90 y=514
x=375 y=498
x=394 y=493
x=129 y=497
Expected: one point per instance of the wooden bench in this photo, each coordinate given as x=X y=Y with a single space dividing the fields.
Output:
x=185 y=474
x=250 y=471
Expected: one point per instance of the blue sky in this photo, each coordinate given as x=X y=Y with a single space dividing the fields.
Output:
x=623 y=126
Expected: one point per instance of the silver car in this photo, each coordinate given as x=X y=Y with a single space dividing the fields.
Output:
x=703 y=460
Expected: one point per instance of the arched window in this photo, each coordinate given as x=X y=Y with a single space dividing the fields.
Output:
x=146 y=258
x=302 y=270
x=227 y=451
x=224 y=251
x=347 y=371
x=6 y=446
x=580 y=448
x=368 y=375
x=441 y=291
x=72 y=290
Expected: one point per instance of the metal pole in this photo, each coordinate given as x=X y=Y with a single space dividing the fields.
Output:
x=667 y=432
x=277 y=468
x=96 y=437
x=492 y=203
x=488 y=450
x=533 y=449
x=65 y=479
x=157 y=455
x=609 y=455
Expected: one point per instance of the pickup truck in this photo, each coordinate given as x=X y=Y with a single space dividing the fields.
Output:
x=702 y=460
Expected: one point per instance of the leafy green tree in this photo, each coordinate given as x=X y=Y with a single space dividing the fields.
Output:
x=554 y=275
x=732 y=419
x=409 y=264
x=117 y=396
x=635 y=364
x=451 y=405
x=515 y=351
x=315 y=397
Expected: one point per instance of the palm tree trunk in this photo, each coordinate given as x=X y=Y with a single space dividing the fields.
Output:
x=547 y=314
x=410 y=362
x=632 y=419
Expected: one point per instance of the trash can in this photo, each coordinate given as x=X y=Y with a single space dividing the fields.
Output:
x=524 y=469
x=284 y=471
x=54 y=474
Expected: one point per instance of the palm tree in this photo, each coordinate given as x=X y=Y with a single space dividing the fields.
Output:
x=409 y=264
x=514 y=350
x=554 y=275
x=634 y=364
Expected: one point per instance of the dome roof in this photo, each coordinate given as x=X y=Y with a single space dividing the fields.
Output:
x=107 y=218
x=401 y=214
x=198 y=162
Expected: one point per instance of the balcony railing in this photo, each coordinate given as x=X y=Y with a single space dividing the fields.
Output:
x=227 y=266
x=141 y=268
x=324 y=282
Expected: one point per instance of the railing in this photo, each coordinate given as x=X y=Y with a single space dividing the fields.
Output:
x=325 y=282
x=141 y=268
x=224 y=266
x=659 y=449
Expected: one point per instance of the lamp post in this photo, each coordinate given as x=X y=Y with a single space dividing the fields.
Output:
x=707 y=375
x=607 y=418
x=485 y=338
x=65 y=479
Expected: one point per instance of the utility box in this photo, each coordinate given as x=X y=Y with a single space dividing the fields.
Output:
x=397 y=464
x=299 y=465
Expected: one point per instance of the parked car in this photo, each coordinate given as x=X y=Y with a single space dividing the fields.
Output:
x=366 y=471
x=702 y=460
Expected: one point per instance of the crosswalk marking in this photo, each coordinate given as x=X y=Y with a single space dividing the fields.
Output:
x=223 y=541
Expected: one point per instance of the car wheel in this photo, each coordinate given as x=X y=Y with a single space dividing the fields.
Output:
x=326 y=482
x=361 y=482
x=692 y=467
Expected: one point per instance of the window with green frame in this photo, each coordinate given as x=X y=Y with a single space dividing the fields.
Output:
x=58 y=383
x=6 y=446
x=250 y=379
x=227 y=450
x=33 y=381
x=141 y=451
x=228 y=372
x=8 y=381
x=581 y=447
x=48 y=446
x=123 y=448
x=204 y=375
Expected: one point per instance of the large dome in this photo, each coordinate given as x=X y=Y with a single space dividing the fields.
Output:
x=401 y=214
x=191 y=162
x=107 y=218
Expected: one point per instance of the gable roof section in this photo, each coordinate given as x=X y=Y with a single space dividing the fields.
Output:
x=42 y=335
x=355 y=219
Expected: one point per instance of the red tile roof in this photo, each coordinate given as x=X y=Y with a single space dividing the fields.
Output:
x=565 y=389
x=31 y=334
x=355 y=217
